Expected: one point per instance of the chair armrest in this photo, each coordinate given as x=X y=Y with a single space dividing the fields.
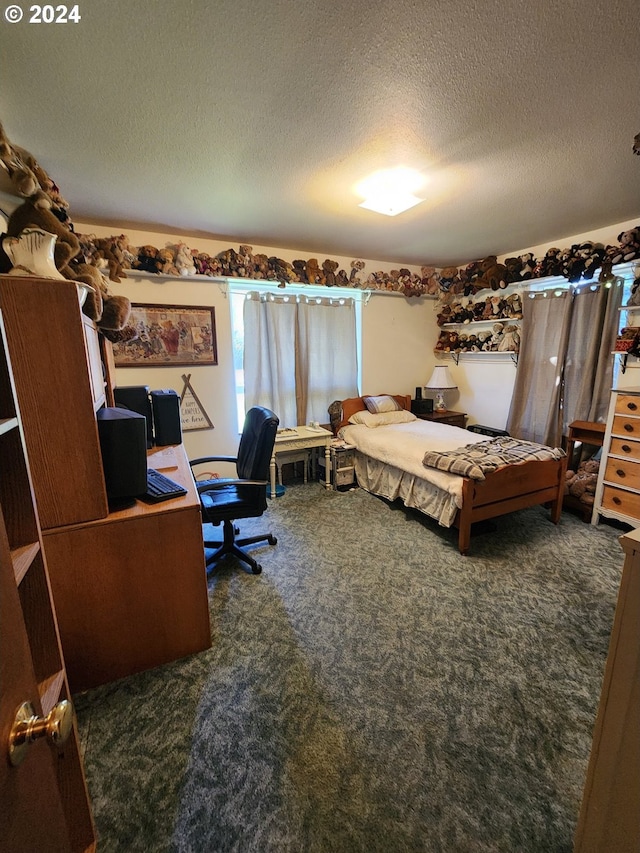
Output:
x=211 y=486
x=204 y=459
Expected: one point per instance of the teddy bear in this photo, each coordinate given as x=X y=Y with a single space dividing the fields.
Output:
x=342 y=279
x=513 y=306
x=314 y=273
x=492 y=274
x=354 y=276
x=510 y=340
x=430 y=282
x=513 y=268
x=329 y=268
x=450 y=283
x=629 y=247
x=166 y=262
x=300 y=268
x=549 y=265
x=581 y=484
x=496 y=337
x=245 y=254
x=36 y=211
x=147 y=260
x=109 y=249
x=183 y=263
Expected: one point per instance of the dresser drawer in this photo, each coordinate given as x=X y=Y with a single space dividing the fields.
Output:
x=628 y=404
x=625 y=503
x=624 y=447
x=623 y=472
x=624 y=425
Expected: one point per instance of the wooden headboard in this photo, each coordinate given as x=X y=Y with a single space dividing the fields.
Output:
x=356 y=404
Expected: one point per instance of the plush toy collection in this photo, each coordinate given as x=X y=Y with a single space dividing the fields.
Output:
x=91 y=259
x=44 y=208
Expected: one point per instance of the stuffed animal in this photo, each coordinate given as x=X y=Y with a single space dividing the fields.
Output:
x=147 y=260
x=513 y=268
x=314 y=273
x=510 y=341
x=300 y=268
x=184 y=264
x=37 y=211
x=329 y=268
x=513 y=306
x=430 y=282
x=581 y=484
x=354 y=276
x=166 y=262
x=492 y=274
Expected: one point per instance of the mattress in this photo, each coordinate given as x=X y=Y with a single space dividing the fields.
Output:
x=388 y=462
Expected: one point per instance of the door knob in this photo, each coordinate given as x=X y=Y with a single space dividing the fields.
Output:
x=28 y=726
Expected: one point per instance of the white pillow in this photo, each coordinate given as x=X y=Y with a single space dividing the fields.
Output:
x=383 y=419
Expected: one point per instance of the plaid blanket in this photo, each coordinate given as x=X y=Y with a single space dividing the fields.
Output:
x=478 y=460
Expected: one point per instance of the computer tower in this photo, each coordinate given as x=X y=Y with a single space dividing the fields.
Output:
x=167 y=426
x=123 y=443
x=136 y=398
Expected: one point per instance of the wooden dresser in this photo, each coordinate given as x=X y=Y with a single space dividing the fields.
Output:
x=609 y=820
x=129 y=587
x=618 y=488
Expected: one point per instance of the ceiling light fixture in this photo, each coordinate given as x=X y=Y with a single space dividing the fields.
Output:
x=391 y=191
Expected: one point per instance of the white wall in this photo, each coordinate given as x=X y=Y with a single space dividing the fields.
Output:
x=398 y=337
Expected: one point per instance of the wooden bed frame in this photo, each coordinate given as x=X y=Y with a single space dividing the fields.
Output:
x=507 y=489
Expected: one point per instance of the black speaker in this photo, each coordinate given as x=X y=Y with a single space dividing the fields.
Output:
x=166 y=417
x=123 y=443
x=136 y=398
x=422 y=407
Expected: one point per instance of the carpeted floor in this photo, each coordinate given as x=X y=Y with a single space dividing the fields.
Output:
x=371 y=691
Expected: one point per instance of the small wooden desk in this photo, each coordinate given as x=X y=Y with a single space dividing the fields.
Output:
x=302 y=438
x=130 y=590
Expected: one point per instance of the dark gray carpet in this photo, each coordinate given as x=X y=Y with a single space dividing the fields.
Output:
x=372 y=690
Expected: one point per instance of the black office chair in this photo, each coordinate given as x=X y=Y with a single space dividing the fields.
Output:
x=226 y=500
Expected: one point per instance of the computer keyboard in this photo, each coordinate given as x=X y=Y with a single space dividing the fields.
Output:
x=161 y=488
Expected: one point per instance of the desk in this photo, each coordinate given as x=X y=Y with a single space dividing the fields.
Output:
x=303 y=438
x=130 y=590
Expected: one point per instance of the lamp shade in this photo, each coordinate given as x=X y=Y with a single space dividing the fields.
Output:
x=441 y=379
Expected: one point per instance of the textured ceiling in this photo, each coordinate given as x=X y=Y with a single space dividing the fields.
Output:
x=253 y=121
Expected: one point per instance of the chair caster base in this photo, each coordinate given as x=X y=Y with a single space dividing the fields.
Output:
x=272 y=540
x=257 y=569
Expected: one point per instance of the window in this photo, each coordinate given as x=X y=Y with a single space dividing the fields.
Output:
x=303 y=348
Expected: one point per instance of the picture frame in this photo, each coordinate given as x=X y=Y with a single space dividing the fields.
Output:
x=169 y=336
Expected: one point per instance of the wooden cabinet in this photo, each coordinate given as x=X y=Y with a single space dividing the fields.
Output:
x=618 y=487
x=458 y=419
x=609 y=817
x=130 y=587
x=45 y=804
x=59 y=382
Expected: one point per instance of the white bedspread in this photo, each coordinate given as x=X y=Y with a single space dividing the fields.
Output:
x=403 y=446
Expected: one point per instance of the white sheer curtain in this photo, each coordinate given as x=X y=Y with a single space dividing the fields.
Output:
x=300 y=354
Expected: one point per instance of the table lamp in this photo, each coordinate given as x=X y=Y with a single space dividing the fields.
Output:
x=440 y=382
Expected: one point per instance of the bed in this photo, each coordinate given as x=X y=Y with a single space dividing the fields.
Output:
x=390 y=450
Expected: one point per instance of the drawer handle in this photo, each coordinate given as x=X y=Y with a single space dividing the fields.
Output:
x=628 y=427
x=621 y=473
x=616 y=501
x=626 y=448
x=632 y=406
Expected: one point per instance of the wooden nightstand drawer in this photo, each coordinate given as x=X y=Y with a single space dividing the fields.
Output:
x=458 y=419
x=625 y=447
x=624 y=425
x=628 y=404
x=625 y=503
x=623 y=472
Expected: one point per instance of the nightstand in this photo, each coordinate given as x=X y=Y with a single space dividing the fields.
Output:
x=458 y=419
x=342 y=472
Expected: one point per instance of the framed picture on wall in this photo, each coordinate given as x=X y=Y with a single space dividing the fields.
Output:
x=169 y=336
